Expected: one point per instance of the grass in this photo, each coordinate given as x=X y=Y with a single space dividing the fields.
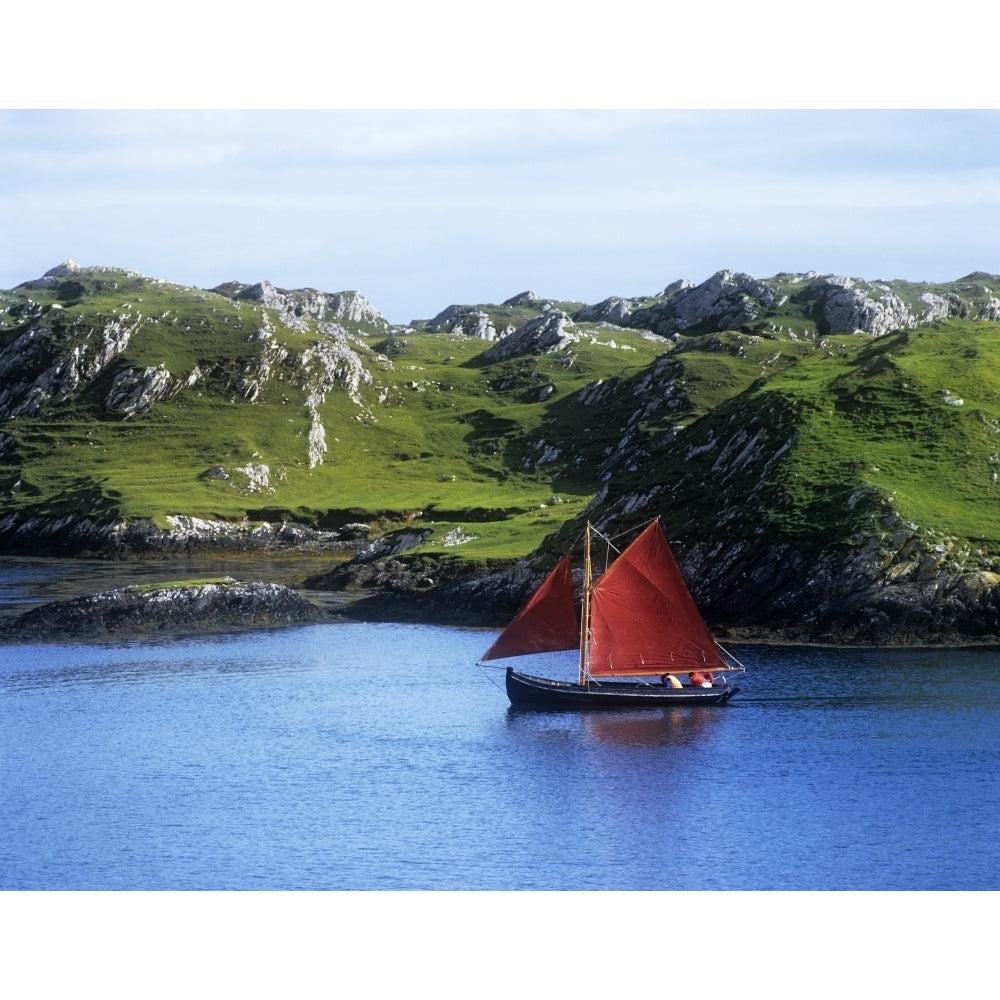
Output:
x=878 y=417
x=206 y=581
x=511 y=451
x=436 y=440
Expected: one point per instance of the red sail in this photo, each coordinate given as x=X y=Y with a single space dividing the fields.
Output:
x=643 y=618
x=547 y=623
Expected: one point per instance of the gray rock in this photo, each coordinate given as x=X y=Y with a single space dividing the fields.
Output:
x=528 y=298
x=135 y=391
x=612 y=310
x=465 y=321
x=847 y=308
x=726 y=301
x=40 y=365
x=105 y=535
x=393 y=544
x=537 y=336
x=139 y=611
x=298 y=305
x=476 y=324
x=64 y=270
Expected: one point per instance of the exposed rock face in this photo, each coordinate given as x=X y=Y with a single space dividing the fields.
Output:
x=527 y=298
x=726 y=301
x=465 y=321
x=376 y=566
x=407 y=587
x=847 y=308
x=442 y=589
x=49 y=358
x=63 y=270
x=134 y=391
x=49 y=280
x=730 y=300
x=48 y=361
x=137 y=611
x=544 y=333
x=477 y=325
x=613 y=310
x=294 y=307
x=326 y=365
x=872 y=594
x=107 y=536
x=447 y=316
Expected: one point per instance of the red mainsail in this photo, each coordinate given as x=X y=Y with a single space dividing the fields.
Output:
x=643 y=619
x=547 y=623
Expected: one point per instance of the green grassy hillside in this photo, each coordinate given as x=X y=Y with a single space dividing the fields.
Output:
x=815 y=444
x=775 y=429
x=434 y=437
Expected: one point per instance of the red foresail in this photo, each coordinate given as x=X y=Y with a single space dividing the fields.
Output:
x=643 y=618
x=547 y=623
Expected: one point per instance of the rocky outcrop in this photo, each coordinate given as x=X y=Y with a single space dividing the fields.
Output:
x=866 y=594
x=106 y=536
x=726 y=301
x=325 y=366
x=614 y=310
x=49 y=360
x=890 y=587
x=847 y=308
x=539 y=335
x=466 y=321
x=297 y=306
x=135 y=391
x=145 y=611
x=477 y=325
x=731 y=300
x=527 y=298
x=386 y=566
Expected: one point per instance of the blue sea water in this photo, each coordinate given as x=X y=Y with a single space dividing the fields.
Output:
x=379 y=756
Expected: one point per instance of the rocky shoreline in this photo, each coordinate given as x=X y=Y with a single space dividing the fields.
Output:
x=424 y=590
x=385 y=582
x=76 y=535
x=147 y=611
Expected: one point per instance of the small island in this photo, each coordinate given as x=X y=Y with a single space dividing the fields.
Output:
x=148 y=610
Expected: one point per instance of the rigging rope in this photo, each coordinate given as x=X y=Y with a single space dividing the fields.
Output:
x=492 y=666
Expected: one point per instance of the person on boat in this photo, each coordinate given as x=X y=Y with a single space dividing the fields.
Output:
x=669 y=680
x=705 y=680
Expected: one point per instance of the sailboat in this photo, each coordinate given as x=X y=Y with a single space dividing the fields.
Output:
x=639 y=623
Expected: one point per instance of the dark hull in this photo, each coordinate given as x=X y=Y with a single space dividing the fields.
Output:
x=526 y=691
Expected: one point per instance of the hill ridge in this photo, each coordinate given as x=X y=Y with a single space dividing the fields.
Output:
x=823 y=450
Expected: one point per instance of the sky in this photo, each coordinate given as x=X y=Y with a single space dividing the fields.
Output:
x=421 y=209
x=349 y=166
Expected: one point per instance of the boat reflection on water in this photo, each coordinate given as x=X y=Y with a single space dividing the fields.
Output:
x=668 y=727
x=680 y=726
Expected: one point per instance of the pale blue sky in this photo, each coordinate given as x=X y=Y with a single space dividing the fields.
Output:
x=420 y=209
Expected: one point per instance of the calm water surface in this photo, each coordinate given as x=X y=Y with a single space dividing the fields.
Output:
x=353 y=756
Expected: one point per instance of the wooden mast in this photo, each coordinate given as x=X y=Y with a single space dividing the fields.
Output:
x=585 y=617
